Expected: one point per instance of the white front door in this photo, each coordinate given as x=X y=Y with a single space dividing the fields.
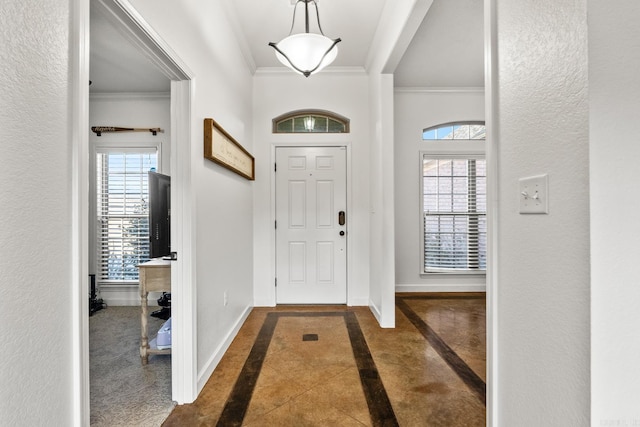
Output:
x=311 y=240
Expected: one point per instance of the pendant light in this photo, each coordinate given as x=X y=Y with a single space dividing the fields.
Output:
x=306 y=53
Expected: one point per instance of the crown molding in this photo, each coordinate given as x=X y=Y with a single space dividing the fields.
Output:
x=438 y=89
x=129 y=95
x=328 y=70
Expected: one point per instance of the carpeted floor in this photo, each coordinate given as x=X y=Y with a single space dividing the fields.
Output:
x=123 y=392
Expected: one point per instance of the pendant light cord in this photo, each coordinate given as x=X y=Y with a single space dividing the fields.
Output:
x=306 y=16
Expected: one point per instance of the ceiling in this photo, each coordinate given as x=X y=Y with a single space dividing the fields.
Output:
x=116 y=65
x=445 y=52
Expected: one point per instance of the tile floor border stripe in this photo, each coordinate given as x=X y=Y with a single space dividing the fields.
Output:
x=308 y=313
x=238 y=402
x=466 y=374
x=378 y=402
x=446 y=295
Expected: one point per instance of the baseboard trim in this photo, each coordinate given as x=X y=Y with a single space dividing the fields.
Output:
x=210 y=366
x=264 y=303
x=358 y=302
x=440 y=288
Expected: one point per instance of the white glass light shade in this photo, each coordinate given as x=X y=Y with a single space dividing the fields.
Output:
x=306 y=51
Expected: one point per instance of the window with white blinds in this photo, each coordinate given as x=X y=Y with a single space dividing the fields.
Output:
x=122 y=211
x=454 y=213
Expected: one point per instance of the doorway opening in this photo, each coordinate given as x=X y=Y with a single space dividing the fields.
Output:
x=128 y=22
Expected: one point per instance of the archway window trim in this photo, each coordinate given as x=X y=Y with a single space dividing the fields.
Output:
x=473 y=130
x=312 y=118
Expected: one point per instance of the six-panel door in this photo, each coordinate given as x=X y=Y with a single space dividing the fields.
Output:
x=311 y=245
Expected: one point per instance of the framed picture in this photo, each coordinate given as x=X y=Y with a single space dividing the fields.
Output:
x=221 y=148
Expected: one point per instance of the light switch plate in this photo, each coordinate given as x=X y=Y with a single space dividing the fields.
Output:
x=533 y=193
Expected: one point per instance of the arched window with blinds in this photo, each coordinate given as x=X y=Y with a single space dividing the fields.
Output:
x=453 y=194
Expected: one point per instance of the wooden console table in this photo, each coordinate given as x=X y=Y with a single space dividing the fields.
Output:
x=155 y=276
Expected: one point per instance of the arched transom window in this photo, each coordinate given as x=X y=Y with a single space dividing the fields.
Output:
x=310 y=121
x=456 y=130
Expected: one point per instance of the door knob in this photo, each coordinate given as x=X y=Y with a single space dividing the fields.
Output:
x=341 y=218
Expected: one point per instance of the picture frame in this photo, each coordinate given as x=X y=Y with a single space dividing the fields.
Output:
x=223 y=149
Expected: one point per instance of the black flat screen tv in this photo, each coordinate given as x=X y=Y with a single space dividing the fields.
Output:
x=159 y=215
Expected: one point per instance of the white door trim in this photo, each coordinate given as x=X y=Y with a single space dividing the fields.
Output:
x=79 y=115
x=351 y=300
x=184 y=374
x=125 y=17
x=492 y=143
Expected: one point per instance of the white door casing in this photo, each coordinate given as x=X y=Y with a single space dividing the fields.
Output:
x=311 y=242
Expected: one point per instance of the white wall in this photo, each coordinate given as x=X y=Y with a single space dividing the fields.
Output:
x=543 y=260
x=35 y=225
x=382 y=261
x=394 y=33
x=201 y=35
x=344 y=93
x=614 y=95
x=139 y=110
x=416 y=110
x=136 y=110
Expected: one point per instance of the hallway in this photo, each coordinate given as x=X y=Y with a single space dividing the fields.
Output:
x=333 y=365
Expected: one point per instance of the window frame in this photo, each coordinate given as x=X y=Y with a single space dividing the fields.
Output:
x=291 y=115
x=451 y=125
x=95 y=241
x=444 y=149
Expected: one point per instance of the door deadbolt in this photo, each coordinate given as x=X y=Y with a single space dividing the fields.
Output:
x=342 y=232
x=341 y=218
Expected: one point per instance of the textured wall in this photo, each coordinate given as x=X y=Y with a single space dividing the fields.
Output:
x=35 y=218
x=543 y=272
x=614 y=92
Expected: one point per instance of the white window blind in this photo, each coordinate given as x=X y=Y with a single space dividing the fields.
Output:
x=122 y=211
x=454 y=213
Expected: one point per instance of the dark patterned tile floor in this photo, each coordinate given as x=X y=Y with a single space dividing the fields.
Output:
x=334 y=366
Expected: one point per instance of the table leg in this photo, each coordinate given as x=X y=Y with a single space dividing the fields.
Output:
x=144 y=339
